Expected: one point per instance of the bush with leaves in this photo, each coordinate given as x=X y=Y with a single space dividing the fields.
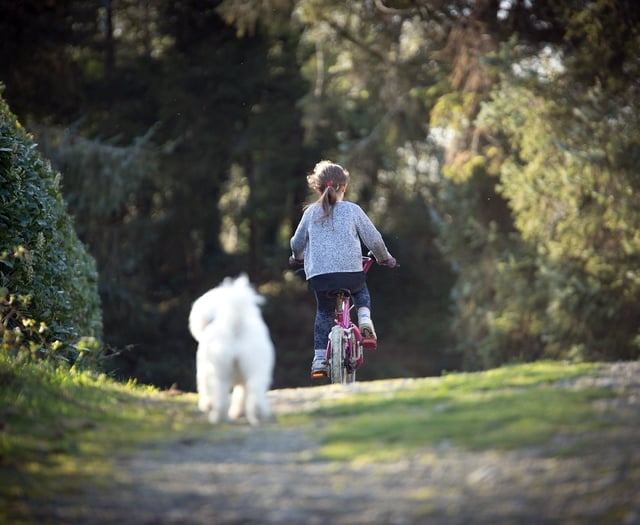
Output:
x=49 y=303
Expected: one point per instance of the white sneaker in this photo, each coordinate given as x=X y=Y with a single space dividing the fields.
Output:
x=319 y=368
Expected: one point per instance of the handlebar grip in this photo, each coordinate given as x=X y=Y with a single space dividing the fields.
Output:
x=295 y=263
x=383 y=263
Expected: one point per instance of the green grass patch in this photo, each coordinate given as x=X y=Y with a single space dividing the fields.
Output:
x=61 y=429
x=505 y=408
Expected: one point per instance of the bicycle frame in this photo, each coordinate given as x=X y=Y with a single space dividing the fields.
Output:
x=344 y=348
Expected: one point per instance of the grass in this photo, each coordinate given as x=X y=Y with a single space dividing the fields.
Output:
x=505 y=408
x=61 y=429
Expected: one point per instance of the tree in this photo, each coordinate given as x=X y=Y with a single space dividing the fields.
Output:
x=448 y=115
x=369 y=97
x=518 y=303
x=570 y=180
x=37 y=63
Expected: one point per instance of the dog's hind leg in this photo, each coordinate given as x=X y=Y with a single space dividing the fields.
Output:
x=205 y=395
x=220 y=402
x=238 y=400
x=257 y=403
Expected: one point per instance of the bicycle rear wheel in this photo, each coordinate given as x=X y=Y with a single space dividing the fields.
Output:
x=353 y=358
x=337 y=368
x=342 y=367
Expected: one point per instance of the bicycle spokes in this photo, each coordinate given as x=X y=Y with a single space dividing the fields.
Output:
x=344 y=353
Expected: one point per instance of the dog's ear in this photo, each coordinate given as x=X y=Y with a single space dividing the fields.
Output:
x=242 y=279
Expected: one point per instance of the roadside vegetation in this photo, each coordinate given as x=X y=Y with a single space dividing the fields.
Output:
x=63 y=429
x=499 y=156
x=496 y=145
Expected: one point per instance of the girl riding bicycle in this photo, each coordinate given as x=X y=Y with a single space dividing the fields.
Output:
x=328 y=241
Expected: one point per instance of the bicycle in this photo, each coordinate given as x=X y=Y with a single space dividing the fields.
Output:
x=344 y=345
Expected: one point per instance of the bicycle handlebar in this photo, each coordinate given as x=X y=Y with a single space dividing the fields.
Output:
x=383 y=263
x=298 y=263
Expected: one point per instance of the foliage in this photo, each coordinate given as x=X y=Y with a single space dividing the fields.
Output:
x=538 y=193
x=364 y=101
x=610 y=31
x=48 y=280
x=573 y=191
x=37 y=59
x=485 y=140
x=167 y=124
x=113 y=192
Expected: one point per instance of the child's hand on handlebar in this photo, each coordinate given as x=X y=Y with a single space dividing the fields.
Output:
x=294 y=263
x=390 y=262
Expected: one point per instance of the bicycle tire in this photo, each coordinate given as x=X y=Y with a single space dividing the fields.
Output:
x=337 y=369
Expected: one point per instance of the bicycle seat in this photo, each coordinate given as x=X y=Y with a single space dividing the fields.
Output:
x=338 y=291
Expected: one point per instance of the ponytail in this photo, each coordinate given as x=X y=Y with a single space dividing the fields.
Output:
x=328 y=200
x=326 y=179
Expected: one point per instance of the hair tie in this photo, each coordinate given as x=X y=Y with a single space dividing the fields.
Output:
x=329 y=184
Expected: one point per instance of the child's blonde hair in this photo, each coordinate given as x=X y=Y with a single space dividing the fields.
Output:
x=327 y=179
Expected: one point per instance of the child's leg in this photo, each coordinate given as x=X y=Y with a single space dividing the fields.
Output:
x=362 y=301
x=325 y=307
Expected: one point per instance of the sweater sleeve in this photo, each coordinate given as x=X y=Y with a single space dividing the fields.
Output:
x=370 y=236
x=300 y=237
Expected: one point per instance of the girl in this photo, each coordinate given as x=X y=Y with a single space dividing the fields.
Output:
x=327 y=240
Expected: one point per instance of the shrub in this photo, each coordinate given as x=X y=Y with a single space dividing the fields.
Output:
x=49 y=302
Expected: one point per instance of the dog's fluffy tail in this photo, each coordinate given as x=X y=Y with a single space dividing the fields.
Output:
x=200 y=316
x=230 y=299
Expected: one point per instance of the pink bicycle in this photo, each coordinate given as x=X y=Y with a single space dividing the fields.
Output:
x=344 y=348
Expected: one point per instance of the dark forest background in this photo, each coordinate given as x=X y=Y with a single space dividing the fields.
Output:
x=495 y=144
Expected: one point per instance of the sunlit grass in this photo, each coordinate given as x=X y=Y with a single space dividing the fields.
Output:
x=506 y=408
x=60 y=429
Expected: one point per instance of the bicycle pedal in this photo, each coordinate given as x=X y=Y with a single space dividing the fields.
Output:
x=369 y=343
x=369 y=340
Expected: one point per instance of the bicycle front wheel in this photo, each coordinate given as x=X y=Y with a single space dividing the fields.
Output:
x=337 y=369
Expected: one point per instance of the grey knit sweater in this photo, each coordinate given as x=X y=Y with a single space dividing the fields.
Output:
x=333 y=244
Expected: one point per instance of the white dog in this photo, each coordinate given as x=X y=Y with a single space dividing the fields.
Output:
x=235 y=352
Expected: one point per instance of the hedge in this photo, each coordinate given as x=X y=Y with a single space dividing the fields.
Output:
x=49 y=302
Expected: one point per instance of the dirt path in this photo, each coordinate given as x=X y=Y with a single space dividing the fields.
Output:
x=272 y=475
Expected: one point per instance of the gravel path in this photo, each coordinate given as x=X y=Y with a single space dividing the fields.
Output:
x=272 y=475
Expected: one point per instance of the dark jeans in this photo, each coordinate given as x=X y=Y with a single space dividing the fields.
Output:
x=326 y=303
